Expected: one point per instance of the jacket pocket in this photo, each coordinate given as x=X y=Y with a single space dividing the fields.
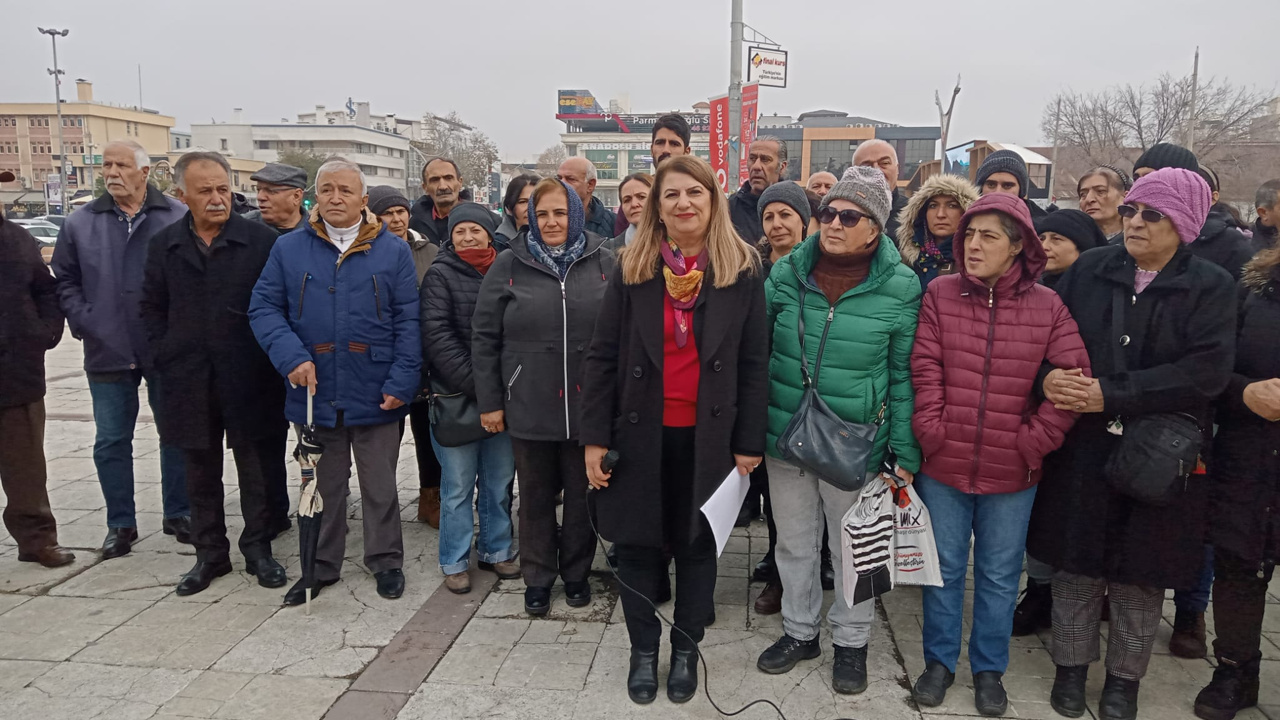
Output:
x=377 y=298
x=302 y=293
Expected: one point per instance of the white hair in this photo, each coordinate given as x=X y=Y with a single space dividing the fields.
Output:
x=591 y=167
x=140 y=157
x=195 y=156
x=340 y=164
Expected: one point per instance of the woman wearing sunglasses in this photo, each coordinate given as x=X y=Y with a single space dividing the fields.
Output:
x=859 y=306
x=1172 y=355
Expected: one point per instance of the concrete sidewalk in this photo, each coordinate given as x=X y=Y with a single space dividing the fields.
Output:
x=110 y=639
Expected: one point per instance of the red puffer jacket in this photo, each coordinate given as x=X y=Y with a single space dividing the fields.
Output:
x=976 y=356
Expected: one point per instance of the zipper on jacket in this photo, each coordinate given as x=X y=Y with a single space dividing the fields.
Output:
x=512 y=381
x=982 y=398
x=302 y=294
x=822 y=344
x=564 y=347
x=377 y=297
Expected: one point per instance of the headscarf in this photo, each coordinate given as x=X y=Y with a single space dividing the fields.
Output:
x=561 y=257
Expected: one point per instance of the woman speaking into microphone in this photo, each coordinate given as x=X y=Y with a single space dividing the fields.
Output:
x=675 y=380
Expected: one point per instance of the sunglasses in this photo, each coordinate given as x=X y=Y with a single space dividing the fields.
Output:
x=848 y=218
x=1149 y=216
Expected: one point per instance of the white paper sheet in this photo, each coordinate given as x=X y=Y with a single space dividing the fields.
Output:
x=722 y=507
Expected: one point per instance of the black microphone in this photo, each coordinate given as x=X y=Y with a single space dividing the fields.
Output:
x=609 y=461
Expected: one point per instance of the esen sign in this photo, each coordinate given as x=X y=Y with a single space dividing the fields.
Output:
x=767 y=66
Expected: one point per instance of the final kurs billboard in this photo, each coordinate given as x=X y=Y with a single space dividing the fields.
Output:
x=767 y=66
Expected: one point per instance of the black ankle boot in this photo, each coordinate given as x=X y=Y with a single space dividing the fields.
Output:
x=642 y=681
x=849 y=669
x=1119 y=699
x=1035 y=609
x=1234 y=687
x=682 y=683
x=828 y=575
x=1067 y=696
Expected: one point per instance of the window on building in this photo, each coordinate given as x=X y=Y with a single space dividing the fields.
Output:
x=703 y=152
x=795 y=159
x=606 y=162
x=833 y=156
x=916 y=152
x=222 y=143
x=262 y=144
x=235 y=177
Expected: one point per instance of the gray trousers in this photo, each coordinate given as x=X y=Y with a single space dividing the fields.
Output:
x=801 y=504
x=377 y=450
x=1077 y=613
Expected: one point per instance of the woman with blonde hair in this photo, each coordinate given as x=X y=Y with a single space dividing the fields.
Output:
x=676 y=382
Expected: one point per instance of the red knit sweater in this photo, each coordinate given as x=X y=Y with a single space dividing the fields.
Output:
x=680 y=372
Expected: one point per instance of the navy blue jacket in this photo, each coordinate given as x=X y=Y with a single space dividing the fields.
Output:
x=99 y=261
x=600 y=219
x=355 y=317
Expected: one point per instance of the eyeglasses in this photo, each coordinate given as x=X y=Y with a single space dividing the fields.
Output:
x=1149 y=216
x=848 y=218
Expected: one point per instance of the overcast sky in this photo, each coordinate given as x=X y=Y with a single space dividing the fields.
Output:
x=499 y=63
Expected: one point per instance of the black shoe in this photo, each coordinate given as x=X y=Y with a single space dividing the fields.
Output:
x=1188 y=640
x=297 y=594
x=279 y=526
x=1067 y=696
x=537 y=601
x=198 y=578
x=989 y=696
x=270 y=573
x=1035 y=609
x=1234 y=687
x=390 y=583
x=828 y=572
x=1119 y=699
x=765 y=571
x=682 y=682
x=179 y=528
x=783 y=655
x=119 y=542
x=577 y=594
x=748 y=512
x=611 y=556
x=642 y=681
x=849 y=671
x=931 y=687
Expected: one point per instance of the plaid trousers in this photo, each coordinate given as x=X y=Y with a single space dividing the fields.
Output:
x=1077 y=611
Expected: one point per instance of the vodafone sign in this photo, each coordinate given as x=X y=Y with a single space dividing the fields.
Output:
x=720 y=140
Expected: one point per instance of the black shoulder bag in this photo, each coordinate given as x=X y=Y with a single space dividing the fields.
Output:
x=1158 y=451
x=455 y=417
x=816 y=439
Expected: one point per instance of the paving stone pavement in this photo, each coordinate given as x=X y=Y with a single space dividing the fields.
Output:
x=110 y=639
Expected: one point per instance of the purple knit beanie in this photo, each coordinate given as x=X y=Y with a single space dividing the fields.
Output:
x=1182 y=195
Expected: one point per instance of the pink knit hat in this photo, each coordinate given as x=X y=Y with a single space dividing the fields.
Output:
x=1183 y=196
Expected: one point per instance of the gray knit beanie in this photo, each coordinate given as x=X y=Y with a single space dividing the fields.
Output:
x=787 y=193
x=1005 y=161
x=866 y=188
x=384 y=197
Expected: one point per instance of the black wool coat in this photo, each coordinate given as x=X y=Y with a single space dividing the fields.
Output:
x=195 y=309
x=30 y=320
x=622 y=398
x=1245 y=470
x=448 y=301
x=1182 y=343
x=529 y=336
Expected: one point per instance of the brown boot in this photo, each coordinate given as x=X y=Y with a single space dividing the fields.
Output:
x=1188 y=639
x=429 y=507
x=770 y=600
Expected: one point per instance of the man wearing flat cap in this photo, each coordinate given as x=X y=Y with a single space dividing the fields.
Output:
x=280 y=189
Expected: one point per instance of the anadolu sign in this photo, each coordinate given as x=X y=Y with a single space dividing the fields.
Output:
x=767 y=66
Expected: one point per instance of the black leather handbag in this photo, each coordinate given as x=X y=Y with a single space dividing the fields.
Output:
x=455 y=417
x=817 y=440
x=1157 y=452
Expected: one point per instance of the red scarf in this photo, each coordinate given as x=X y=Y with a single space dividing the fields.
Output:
x=479 y=258
x=684 y=281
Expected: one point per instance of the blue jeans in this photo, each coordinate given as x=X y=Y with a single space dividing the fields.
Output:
x=115 y=413
x=1196 y=599
x=997 y=525
x=484 y=470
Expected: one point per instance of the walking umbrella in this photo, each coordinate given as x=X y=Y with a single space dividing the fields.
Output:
x=310 y=506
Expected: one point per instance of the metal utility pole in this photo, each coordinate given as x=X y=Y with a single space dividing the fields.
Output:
x=735 y=90
x=54 y=34
x=1053 y=161
x=1191 y=114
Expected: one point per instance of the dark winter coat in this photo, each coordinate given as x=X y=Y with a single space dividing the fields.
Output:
x=506 y=233
x=196 y=312
x=745 y=215
x=355 y=315
x=448 y=299
x=30 y=319
x=422 y=220
x=1263 y=238
x=1182 y=345
x=99 y=261
x=600 y=219
x=256 y=216
x=978 y=351
x=1221 y=243
x=622 y=399
x=529 y=335
x=899 y=202
x=1245 y=471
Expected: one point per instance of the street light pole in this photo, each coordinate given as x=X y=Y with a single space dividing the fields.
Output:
x=735 y=91
x=53 y=34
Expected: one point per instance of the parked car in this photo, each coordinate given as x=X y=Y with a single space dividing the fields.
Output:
x=53 y=219
x=46 y=236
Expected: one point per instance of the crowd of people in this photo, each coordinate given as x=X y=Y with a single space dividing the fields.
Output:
x=998 y=352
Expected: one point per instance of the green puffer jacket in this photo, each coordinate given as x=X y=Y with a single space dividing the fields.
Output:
x=867 y=360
